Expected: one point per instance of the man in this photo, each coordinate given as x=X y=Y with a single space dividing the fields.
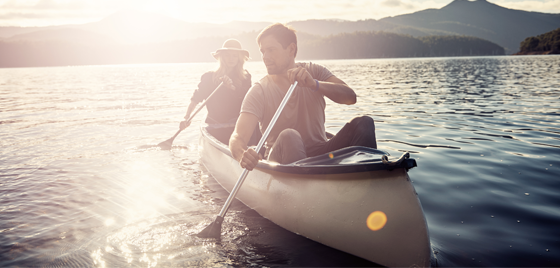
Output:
x=300 y=130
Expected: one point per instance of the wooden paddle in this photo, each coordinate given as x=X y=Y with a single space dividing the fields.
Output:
x=166 y=145
x=214 y=230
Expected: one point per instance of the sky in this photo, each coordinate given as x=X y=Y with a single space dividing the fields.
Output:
x=26 y=13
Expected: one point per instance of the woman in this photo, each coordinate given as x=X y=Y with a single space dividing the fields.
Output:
x=224 y=106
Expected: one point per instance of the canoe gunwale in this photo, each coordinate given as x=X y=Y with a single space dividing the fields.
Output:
x=309 y=165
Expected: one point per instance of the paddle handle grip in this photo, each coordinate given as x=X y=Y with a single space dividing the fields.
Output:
x=241 y=179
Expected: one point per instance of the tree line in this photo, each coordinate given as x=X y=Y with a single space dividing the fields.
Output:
x=391 y=45
x=545 y=43
x=355 y=45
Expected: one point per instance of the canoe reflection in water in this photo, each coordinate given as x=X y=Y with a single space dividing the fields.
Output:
x=357 y=199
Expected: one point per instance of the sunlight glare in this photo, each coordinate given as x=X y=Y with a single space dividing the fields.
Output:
x=376 y=220
x=192 y=11
x=145 y=187
x=97 y=258
x=159 y=6
x=109 y=222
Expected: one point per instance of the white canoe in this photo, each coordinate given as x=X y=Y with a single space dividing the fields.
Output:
x=328 y=199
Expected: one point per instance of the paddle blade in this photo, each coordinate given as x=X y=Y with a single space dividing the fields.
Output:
x=166 y=145
x=214 y=230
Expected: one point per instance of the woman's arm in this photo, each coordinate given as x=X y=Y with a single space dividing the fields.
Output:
x=190 y=109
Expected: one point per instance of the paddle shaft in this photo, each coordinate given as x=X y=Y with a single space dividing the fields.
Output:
x=241 y=179
x=205 y=101
x=198 y=110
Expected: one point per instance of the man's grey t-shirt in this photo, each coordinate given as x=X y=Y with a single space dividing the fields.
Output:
x=304 y=112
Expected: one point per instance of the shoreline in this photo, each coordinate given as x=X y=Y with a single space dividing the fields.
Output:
x=549 y=52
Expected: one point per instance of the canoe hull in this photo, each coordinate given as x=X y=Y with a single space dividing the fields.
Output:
x=332 y=209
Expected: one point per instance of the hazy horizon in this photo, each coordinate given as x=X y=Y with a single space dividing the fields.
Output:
x=36 y=13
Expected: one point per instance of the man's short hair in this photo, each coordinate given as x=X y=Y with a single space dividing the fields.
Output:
x=285 y=35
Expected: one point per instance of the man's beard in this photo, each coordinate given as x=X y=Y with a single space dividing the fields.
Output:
x=274 y=69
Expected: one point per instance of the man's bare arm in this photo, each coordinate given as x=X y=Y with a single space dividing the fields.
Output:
x=244 y=128
x=334 y=88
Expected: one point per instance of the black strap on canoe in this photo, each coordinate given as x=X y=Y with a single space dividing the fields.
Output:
x=403 y=161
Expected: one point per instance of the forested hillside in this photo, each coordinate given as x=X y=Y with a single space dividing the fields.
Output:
x=390 y=45
x=547 y=43
x=355 y=45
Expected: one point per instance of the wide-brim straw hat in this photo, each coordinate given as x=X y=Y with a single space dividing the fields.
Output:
x=230 y=45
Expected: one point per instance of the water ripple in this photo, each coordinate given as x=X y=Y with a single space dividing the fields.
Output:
x=81 y=183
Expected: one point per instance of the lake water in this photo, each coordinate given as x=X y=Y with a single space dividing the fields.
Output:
x=83 y=184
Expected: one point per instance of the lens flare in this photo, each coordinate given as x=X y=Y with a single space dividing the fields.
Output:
x=376 y=220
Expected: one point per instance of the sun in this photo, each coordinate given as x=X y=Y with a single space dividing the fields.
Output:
x=191 y=11
x=163 y=6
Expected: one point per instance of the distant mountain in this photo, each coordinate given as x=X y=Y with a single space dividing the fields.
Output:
x=135 y=27
x=332 y=27
x=72 y=35
x=132 y=36
x=480 y=18
x=131 y=26
x=356 y=45
x=6 y=32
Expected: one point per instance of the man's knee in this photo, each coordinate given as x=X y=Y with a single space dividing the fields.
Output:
x=364 y=131
x=363 y=123
x=288 y=147
x=289 y=135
